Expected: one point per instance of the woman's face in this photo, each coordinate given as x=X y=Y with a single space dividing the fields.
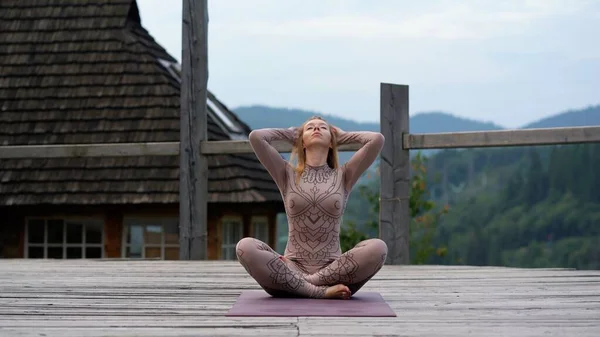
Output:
x=316 y=132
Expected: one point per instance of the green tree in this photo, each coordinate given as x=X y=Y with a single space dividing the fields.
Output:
x=424 y=216
x=536 y=186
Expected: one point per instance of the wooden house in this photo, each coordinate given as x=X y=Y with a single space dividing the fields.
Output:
x=86 y=71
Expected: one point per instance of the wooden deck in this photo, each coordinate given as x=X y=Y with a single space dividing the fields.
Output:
x=190 y=298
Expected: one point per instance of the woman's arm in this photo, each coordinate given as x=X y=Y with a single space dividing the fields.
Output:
x=260 y=140
x=372 y=143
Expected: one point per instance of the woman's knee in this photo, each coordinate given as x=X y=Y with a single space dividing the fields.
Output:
x=251 y=246
x=375 y=245
x=245 y=245
x=381 y=246
x=377 y=248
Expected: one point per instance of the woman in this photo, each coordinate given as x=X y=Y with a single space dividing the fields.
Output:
x=314 y=192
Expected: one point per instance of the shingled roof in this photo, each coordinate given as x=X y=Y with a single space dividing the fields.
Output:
x=76 y=72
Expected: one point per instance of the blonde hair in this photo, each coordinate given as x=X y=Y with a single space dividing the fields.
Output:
x=299 y=152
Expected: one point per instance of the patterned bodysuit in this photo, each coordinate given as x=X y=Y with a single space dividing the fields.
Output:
x=313 y=260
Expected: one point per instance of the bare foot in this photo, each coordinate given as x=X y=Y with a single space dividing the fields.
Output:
x=338 y=291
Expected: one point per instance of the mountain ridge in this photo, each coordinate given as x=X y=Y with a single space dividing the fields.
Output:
x=263 y=116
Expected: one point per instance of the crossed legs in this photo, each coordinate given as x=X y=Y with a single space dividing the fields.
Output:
x=270 y=271
x=355 y=267
x=348 y=273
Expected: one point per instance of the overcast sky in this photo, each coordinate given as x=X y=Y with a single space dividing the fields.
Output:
x=510 y=62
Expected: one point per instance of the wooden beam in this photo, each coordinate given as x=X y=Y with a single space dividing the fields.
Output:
x=193 y=173
x=394 y=216
x=135 y=149
x=501 y=138
x=243 y=146
x=551 y=136
x=89 y=150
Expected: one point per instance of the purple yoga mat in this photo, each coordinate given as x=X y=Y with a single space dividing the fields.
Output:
x=259 y=303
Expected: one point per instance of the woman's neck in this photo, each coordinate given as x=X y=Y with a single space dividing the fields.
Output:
x=316 y=158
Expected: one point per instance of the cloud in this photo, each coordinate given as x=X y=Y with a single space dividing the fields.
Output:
x=519 y=59
x=436 y=20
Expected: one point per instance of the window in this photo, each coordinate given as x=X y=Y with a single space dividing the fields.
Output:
x=58 y=238
x=260 y=228
x=174 y=69
x=151 y=238
x=231 y=234
x=223 y=117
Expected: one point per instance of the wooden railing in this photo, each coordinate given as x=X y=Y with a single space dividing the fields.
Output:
x=193 y=147
x=394 y=216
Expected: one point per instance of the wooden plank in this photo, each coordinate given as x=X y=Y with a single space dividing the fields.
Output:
x=344 y=327
x=451 y=315
x=136 y=149
x=89 y=150
x=167 y=331
x=501 y=138
x=394 y=214
x=98 y=321
x=243 y=146
x=193 y=173
x=552 y=136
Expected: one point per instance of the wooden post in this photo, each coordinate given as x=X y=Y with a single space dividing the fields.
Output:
x=193 y=178
x=394 y=216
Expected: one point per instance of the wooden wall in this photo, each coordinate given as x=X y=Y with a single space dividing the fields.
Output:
x=12 y=225
x=113 y=229
x=213 y=244
x=11 y=235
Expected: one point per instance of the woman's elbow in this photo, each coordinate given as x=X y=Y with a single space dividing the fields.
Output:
x=379 y=139
x=255 y=135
